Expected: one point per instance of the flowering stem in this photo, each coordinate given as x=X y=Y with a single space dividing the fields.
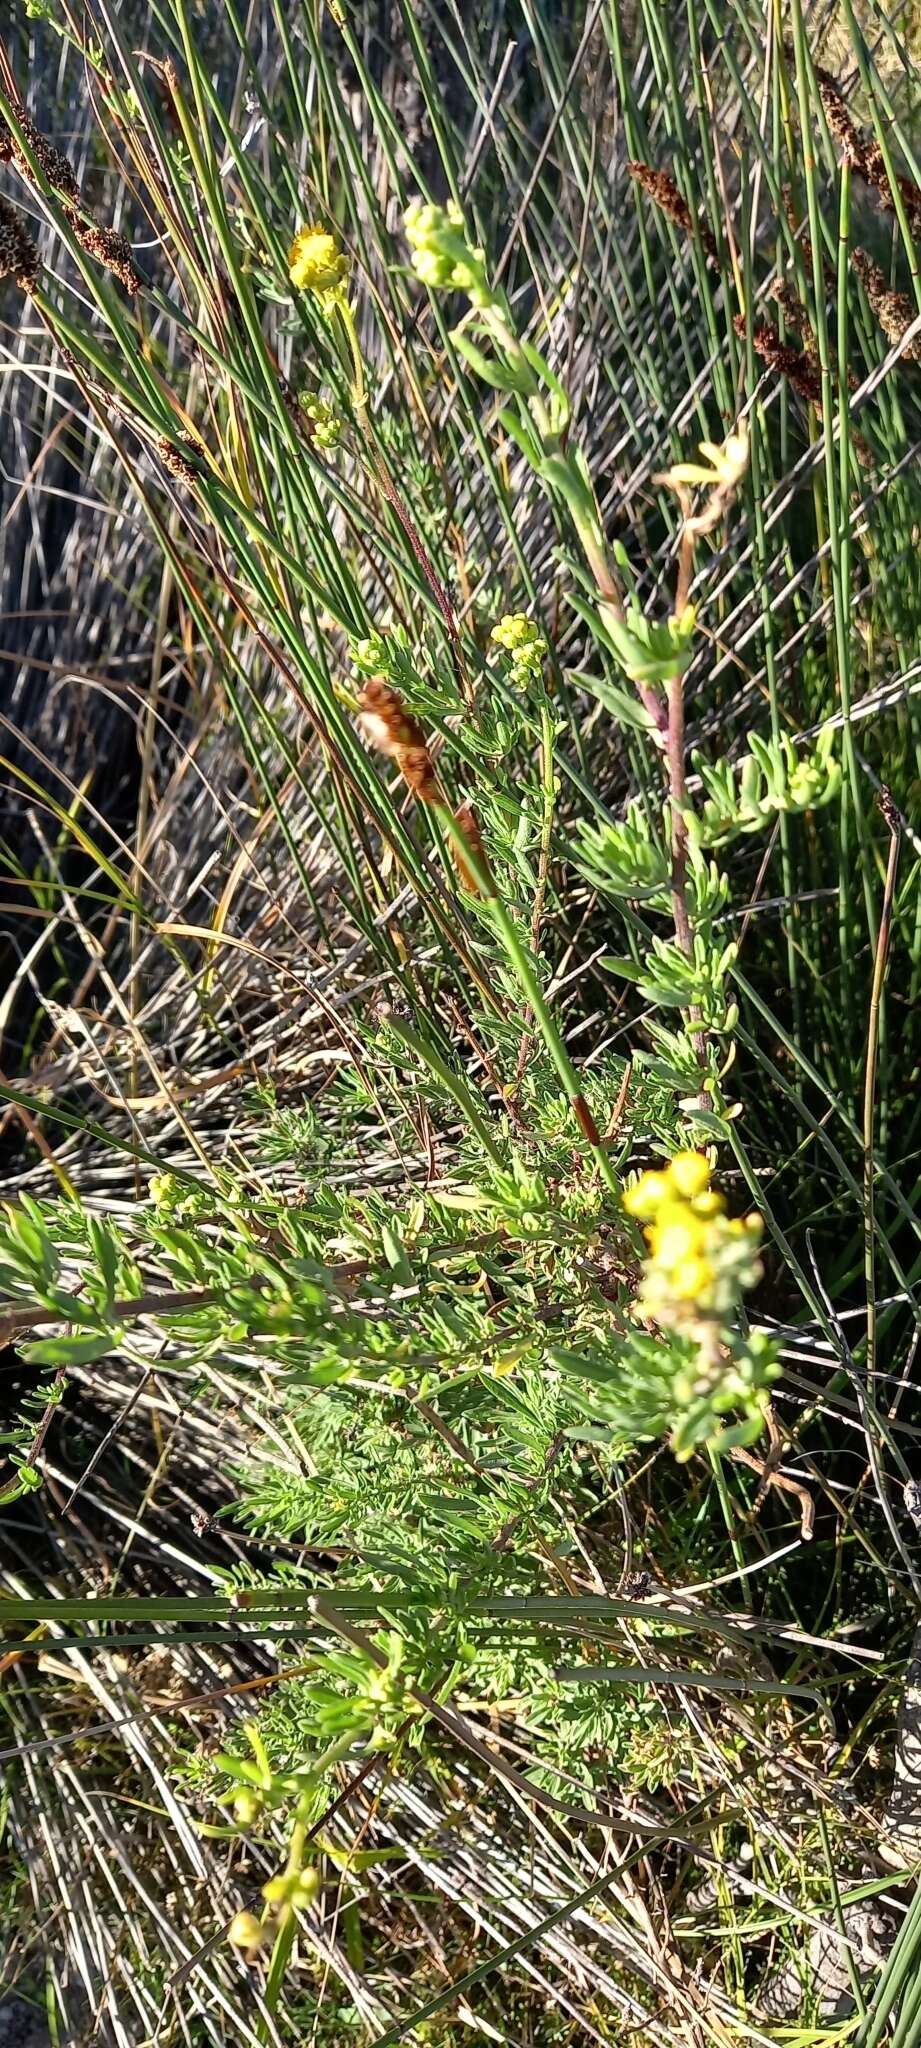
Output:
x=590 y=539
x=287 y=1916
x=548 y=786
x=509 y=344
x=678 y=793
x=359 y=394
x=685 y=568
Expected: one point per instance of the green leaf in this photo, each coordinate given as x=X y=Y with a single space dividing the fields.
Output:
x=624 y=968
x=107 y=1247
x=27 y=1480
x=64 y=1351
x=708 y=1119
x=523 y=436
x=626 y=709
x=395 y=1255
x=487 y=368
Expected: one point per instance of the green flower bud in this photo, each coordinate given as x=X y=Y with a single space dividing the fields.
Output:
x=326 y=424
x=246 y=1932
x=442 y=257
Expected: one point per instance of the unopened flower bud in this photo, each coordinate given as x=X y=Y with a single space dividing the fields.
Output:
x=246 y=1932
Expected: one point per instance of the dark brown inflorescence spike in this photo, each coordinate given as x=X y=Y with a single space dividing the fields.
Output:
x=18 y=253
x=910 y=193
x=53 y=165
x=661 y=187
x=850 y=139
x=105 y=244
x=863 y=152
x=889 y=807
x=798 y=318
x=173 y=459
x=800 y=367
x=795 y=312
x=110 y=249
x=894 y=310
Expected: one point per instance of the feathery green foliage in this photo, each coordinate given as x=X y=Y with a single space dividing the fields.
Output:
x=551 y=820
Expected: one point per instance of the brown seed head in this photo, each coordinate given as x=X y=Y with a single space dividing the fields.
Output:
x=18 y=253
x=796 y=314
x=850 y=139
x=798 y=319
x=894 y=310
x=175 y=461
x=863 y=152
x=109 y=248
x=800 y=367
x=875 y=172
x=662 y=189
x=53 y=165
x=387 y=724
x=468 y=823
x=889 y=807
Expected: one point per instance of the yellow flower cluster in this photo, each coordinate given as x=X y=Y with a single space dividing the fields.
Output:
x=317 y=264
x=523 y=642
x=700 y=1260
x=442 y=256
x=326 y=423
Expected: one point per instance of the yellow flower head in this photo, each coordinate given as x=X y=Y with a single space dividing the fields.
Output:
x=676 y=1234
x=698 y=1264
x=746 y=1226
x=691 y=1279
x=523 y=643
x=685 y=1177
x=646 y=1196
x=316 y=263
x=689 y=1173
x=325 y=423
x=515 y=630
